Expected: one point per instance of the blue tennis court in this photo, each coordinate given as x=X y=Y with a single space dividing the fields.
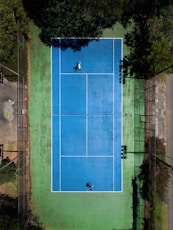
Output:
x=86 y=118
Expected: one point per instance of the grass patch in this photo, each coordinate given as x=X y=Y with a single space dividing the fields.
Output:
x=164 y=216
x=11 y=188
x=162 y=78
x=159 y=213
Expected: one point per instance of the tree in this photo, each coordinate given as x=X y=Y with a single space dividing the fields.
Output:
x=8 y=30
x=80 y=18
x=160 y=55
x=11 y=12
x=154 y=173
x=161 y=39
x=135 y=63
x=8 y=213
x=7 y=174
x=151 y=44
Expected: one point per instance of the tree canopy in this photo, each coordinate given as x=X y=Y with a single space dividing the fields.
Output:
x=160 y=29
x=7 y=174
x=8 y=213
x=150 y=41
x=80 y=18
x=11 y=12
x=152 y=30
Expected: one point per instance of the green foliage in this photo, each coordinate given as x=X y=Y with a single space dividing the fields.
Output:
x=135 y=63
x=7 y=174
x=138 y=9
x=162 y=179
x=159 y=27
x=12 y=12
x=155 y=175
x=151 y=40
x=8 y=30
x=9 y=219
x=161 y=42
x=35 y=225
x=8 y=213
x=81 y=18
x=154 y=211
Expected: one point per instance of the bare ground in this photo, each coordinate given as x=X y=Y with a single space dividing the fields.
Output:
x=169 y=119
x=157 y=114
x=8 y=129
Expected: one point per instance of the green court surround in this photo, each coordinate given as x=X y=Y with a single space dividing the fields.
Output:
x=77 y=211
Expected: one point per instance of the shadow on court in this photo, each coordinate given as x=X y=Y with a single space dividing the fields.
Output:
x=74 y=44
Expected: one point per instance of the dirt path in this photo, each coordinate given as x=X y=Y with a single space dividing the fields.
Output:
x=8 y=127
x=170 y=146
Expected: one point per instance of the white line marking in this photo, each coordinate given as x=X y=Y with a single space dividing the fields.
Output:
x=86 y=113
x=113 y=111
x=84 y=156
x=84 y=73
x=121 y=118
x=89 y=38
x=81 y=115
x=60 y=115
x=51 y=126
x=59 y=119
x=88 y=192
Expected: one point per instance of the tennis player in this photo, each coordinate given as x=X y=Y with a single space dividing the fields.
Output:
x=79 y=67
x=90 y=186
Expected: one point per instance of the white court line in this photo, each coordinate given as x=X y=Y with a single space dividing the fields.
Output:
x=51 y=127
x=60 y=115
x=84 y=156
x=59 y=119
x=89 y=38
x=81 y=115
x=86 y=113
x=90 y=192
x=121 y=118
x=84 y=73
x=113 y=111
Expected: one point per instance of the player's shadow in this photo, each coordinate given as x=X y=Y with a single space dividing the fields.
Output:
x=89 y=186
x=75 y=68
x=75 y=44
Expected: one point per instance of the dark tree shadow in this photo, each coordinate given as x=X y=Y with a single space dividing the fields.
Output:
x=8 y=206
x=74 y=43
x=33 y=7
x=135 y=202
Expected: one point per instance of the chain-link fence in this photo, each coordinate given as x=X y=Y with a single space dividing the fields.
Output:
x=23 y=154
x=150 y=132
x=139 y=143
x=23 y=163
